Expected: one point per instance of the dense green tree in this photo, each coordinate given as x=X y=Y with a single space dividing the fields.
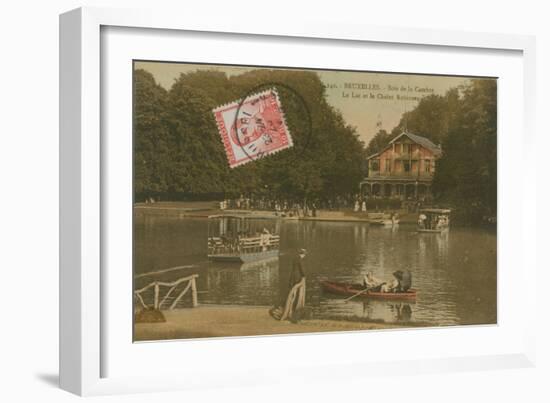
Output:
x=380 y=140
x=197 y=164
x=324 y=162
x=151 y=142
x=432 y=117
x=466 y=175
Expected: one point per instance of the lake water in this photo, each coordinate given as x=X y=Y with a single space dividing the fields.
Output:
x=455 y=272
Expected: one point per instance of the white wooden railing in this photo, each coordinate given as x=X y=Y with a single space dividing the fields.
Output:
x=216 y=245
x=157 y=304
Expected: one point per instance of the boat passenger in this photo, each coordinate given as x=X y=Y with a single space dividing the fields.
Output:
x=264 y=239
x=371 y=282
x=405 y=282
x=422 y=221
x=390 y=286
x=394 y=218
x=401 y=282
x=394 y=284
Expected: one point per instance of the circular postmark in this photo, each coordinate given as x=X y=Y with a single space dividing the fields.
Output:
x=260 y=119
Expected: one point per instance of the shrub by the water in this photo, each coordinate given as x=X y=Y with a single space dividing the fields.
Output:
x=149 y=315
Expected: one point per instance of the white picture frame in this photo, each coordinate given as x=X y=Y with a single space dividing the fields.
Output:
x=86 y=345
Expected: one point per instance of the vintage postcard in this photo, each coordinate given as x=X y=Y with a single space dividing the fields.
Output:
x=271 y=200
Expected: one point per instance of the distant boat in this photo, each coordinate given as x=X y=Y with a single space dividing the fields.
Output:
x=383 y=219
x=349 y=289
x=289 y=218
x=433 y=220
x=385 y=222
x=233 y=238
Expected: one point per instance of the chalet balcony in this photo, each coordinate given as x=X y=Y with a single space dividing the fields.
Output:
x=412 y=155
x=411 y=175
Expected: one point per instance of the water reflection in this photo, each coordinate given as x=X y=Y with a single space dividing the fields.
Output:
x=253 y=283
x=455 y=272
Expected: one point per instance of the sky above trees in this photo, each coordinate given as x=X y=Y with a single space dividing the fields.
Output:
x=367 y=114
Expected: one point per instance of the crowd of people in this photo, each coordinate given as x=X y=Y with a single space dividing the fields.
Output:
x=243 y=241
x=310 y=208
x=286 y=206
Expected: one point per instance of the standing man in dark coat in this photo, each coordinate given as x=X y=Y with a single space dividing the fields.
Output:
x=297 y=273
x=296 y=276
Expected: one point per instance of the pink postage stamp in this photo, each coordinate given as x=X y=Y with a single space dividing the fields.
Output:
x=253 y=128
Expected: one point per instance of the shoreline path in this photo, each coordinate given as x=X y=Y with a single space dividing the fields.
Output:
x=230 y=320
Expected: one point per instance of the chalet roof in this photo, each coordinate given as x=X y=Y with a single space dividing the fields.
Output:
x=423 y=141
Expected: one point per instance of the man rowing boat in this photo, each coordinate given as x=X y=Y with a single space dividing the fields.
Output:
x=372 y=283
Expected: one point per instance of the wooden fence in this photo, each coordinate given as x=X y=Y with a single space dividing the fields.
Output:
x=158 y=303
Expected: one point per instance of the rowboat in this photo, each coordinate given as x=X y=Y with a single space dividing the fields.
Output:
x=347 y=289
x=388 y=222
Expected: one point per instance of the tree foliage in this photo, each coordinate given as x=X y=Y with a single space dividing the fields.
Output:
x=179 y=153
x=151 y=141
x=380 y=140
x=432 y=116
x=466 y=175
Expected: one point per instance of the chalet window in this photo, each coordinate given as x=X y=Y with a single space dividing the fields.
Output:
x=387 y=165
x=375 y=165
x=427 y=165
x=406 y=148
x=406 y=166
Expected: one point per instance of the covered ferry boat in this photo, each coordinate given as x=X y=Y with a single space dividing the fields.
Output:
x=433 y=220
x=242 y=238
